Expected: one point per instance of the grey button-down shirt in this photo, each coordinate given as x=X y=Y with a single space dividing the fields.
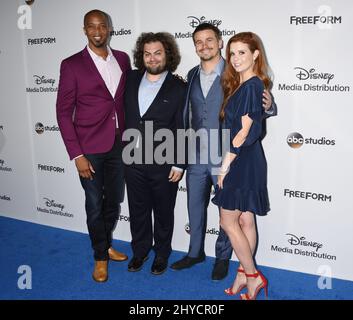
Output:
x=148 y=91
x=207 y=79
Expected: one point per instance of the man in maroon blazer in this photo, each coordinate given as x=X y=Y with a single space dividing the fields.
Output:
x=90 y=115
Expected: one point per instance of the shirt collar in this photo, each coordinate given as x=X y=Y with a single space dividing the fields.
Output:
x=218 y=69
x=159 y=81
x=96 y=57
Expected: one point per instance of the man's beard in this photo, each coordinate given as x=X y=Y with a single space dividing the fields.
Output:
x=207 y=58
x=100 y=44
x=156 y=70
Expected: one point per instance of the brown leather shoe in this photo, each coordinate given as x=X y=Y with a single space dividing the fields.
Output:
x=100 y=273
x=116 y=256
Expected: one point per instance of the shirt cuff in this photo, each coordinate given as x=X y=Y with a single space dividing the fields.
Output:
x=81 y=155
x=270 y=110
x=177 y=169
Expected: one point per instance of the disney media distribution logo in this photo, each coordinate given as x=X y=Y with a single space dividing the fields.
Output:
x=309 y=79
x=308 y=248
x=53 y=207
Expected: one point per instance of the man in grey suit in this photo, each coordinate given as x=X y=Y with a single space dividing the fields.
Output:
x=201 y=113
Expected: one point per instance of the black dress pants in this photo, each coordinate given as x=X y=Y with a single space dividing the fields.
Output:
x=149 y=189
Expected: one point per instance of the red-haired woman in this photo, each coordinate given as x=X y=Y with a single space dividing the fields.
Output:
x=242 y=182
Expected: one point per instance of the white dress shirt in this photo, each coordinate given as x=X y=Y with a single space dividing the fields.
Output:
x=109 y=69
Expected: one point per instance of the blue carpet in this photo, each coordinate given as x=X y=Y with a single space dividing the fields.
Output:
x=61 y=265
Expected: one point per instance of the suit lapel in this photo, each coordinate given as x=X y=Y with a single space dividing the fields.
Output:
x=136 y=92
x=156 y=103
x=119 y=90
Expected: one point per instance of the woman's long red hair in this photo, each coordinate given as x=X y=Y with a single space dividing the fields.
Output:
x=231 y=79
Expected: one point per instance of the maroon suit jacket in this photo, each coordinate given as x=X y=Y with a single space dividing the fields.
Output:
x=85 y=108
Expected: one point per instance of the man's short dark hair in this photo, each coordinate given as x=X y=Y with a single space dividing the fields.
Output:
x=96 y=11
x=207 y=26
x=170 y=46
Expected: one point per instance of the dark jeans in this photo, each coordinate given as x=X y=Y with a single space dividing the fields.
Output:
x=103 y=197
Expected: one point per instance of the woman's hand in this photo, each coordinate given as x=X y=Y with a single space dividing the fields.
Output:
x=221 y=175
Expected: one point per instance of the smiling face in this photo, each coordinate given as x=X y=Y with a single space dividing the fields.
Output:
x=97 y=30
x=154 y=57
x=207 y=45
x=242 y=59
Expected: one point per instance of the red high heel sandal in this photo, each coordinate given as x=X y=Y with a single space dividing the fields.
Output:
x=229 y=291
x=264 y=285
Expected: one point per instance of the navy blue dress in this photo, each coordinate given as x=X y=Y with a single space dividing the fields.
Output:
x=245 y=185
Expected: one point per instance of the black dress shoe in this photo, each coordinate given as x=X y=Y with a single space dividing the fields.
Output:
x=187 y=262
x=220 y=269
x=136 y=264
x=159 y=265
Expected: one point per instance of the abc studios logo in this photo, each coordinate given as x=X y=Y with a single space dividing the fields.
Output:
x=295 y=140
x=39 y=128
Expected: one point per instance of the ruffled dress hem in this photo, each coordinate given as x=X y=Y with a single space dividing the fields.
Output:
x=244 y=200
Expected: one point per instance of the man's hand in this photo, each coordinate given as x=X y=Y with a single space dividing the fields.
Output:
x=84 y=168
x=175 y=175
x=220 y=179
x=221 y=175
x=267 y=100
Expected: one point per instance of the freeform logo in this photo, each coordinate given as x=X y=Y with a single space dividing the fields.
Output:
x=43 y=167
x=5 y=197
x=4 y=168
x=315 y=20
x=296 y=140
x=296 y=241
x=307 y=195
x=41 y=41
x=40 y=128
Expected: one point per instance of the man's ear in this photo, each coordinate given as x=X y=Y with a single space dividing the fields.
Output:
x=220 y=44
